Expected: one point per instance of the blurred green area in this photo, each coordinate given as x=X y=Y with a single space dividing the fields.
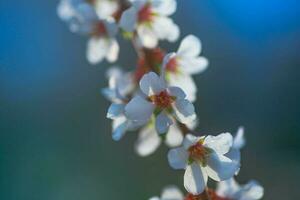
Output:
x=55 y=141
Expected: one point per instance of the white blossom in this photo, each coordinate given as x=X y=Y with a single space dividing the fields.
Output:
x=149 y=18
x=203 y=157
x=82 y=18
x=232 y=190
x=184 y=63
x=162 y=101
x=169 y=193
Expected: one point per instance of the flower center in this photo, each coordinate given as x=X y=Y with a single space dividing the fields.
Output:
x=145 y=14
x=99 y=29
x=198 y=152
x=162 y=100
x=211 y=194
x=172 y=65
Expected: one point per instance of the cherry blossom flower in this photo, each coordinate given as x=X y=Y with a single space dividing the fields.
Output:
x=231 y=190
x=169 y=193
x=83 y=19
x=149 y=18
x=185 y=63
x=203 y=157
x=162 y=101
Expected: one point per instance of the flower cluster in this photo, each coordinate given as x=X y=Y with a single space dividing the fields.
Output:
x=156 y=98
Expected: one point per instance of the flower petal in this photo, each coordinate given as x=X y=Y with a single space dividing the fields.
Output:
x=220 y=167
x=164 y=7
x=128 y=19
x=113 y=51
x=186 y=83
x=252 y=191
x=148 y=141
x=176 y=92
x=227 y=188
x=171 y=193
x=165 y=29
x=147 y=36
x=190 y=140
x=220 y=143
x=178 y=158
x=193 y=65
x=194 y=179
x=162 y=123
x=115 y=110
x=151 y=84
x=185 y=111
x=189 y=47
x=120 y=127
x=97 y=48
x=174 y=136
x=139 y=109
x=239 y=139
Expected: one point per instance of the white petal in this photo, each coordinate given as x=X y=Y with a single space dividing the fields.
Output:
x=190 y=46
x=113 y=51
x=252 y=191
x=234 y=154
x=185 y=111
x=176 y=92
x=174 y=136
x=115 y=110
x=178 y=158
x=227 y=188
x=220 y=167
x=171 y=193
x=193 y=65
x=164 y=7
x=162 y=123
x=148 y=141
x=147 y=37
x=190 y=140
x=151 y=84
x=220 y=143
x=119 y=128
x=194 y=179
x=106 y=8
x=139 y=109
x=97 y=49
x=239 y=139
x=186 y=83
x=128 y=19
x=165 y=29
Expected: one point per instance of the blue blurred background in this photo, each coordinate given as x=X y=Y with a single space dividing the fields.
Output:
x=55 y=141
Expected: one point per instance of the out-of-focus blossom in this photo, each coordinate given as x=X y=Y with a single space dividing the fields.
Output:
x=184 y=63
x=169 y=193
x=120 y=85
x=230 y=189
x=82 y=18
x=162 y=101
x=203 y=157
x=149 y=18
x=238 y=143
x=105 y=9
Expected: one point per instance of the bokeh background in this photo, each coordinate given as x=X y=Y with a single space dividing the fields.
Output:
x=55 y=141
